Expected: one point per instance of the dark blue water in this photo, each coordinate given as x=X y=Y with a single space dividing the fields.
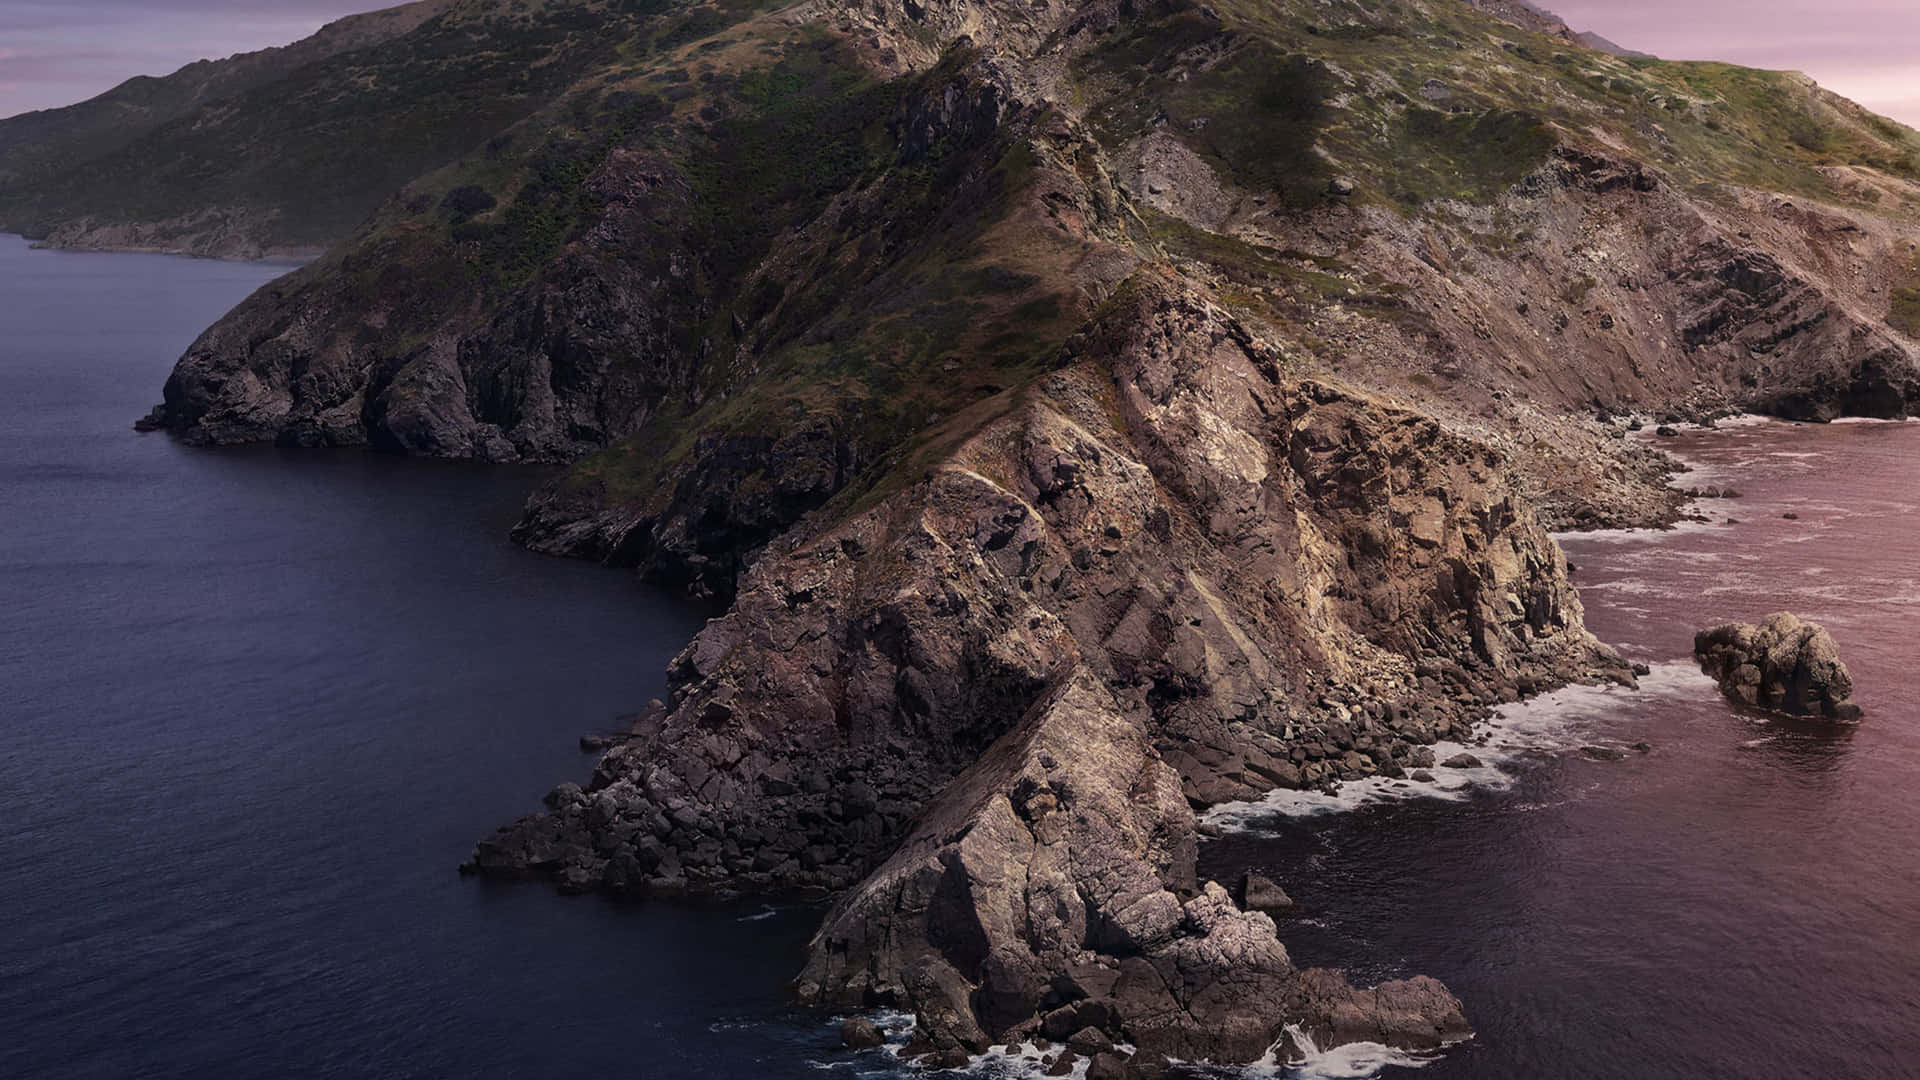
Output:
x=256 y=705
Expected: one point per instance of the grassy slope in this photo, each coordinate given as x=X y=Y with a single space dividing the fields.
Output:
x=1292 y=93
x=318 y=147
x=37 y=146
x=1283 y=97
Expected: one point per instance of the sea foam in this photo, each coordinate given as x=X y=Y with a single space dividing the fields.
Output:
x=1551 y=724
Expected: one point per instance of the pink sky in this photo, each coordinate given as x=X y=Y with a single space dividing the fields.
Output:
x=1868 y=50
x=56 y=52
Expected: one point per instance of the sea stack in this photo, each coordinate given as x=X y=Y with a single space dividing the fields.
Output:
x=1785 y=664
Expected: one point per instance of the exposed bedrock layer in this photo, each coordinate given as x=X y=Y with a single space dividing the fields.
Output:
x=1171 y=570
x=1784 y=663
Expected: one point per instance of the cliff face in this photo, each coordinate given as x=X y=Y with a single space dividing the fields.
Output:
x=1093 y=413
x=1171 y=573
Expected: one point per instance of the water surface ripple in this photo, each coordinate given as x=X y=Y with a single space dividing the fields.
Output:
x=255 y=706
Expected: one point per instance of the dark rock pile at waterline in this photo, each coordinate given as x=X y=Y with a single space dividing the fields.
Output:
x=1785 y=664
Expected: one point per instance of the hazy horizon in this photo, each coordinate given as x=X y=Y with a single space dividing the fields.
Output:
x=59 y=52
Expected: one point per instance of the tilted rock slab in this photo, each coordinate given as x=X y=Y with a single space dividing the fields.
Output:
x=1051 y=889
x=1785 y=664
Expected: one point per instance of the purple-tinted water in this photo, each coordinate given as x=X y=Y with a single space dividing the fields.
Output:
x=1742 y=901
x=255 y=706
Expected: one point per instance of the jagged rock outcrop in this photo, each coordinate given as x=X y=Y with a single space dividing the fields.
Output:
x=1785 y=664
x=1347 y=581
x=1259 y=892
x=1050 y=890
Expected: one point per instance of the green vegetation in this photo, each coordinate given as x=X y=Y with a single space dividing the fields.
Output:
x=882 y=288
x=798 y=132
x=1471 y=156
x=787 y=249
x=1905 y=316
x=1255 y=115
x=553 y=199
x=1419 y=103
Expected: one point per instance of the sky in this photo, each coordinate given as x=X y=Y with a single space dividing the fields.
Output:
x=56 y=52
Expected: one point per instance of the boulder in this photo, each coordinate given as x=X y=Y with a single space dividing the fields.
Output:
x=1461 y=761
x=1784 y=664
x=1090 y=1041
x=859 y=1033
x=1415 y=1014
x=1259 y=893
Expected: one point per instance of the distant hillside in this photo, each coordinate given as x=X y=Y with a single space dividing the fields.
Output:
x=1093 y=410
x=37 y=146
x=290 y=148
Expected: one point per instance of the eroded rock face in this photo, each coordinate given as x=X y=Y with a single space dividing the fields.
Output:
x=1168 y=575
x=1050 y=890
x=1785 y=664
x=1298 y=585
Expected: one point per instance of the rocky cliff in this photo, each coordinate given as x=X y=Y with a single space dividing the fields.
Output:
x=1171 y=573
x=1526 y=237
x=1093 y=413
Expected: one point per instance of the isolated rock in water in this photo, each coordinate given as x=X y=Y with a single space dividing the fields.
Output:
x=1259 y=893
x=1413 y=1014
x=859 y=1033
x=1461 y=761
x=1786 y=664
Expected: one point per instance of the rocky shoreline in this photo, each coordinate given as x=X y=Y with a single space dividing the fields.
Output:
x=977 y=707
x=214 y=239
